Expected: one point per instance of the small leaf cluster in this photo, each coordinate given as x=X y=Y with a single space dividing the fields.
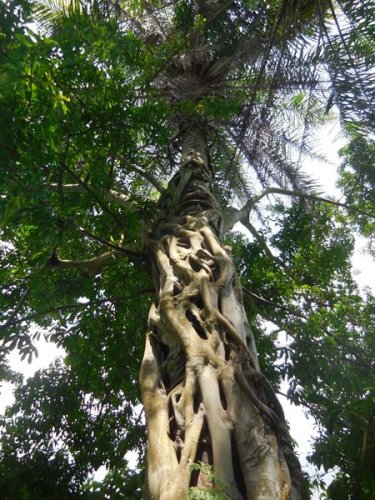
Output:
x=310 y=318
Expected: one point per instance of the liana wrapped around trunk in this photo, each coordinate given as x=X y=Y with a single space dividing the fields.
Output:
x=214 y=423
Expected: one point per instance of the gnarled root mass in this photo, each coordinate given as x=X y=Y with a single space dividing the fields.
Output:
x=206 y=401
x=204 y=396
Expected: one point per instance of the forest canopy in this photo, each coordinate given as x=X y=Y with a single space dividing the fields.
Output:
x=136 y=139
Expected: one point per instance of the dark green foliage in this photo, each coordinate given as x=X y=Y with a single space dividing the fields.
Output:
x=39 y=476
x=357 y=178
x=92 y=100
x=63 y=427
x=351 y=60
x=308 y=294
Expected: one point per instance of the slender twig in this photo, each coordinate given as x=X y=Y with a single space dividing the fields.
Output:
x=93 y=193
x=218 y=8
x=364 y=449
x=128 y=252
x=67 y=307
x=296 y=403
x=261 y=239
x=125 y=251
x=143 y=173
x=274 y=304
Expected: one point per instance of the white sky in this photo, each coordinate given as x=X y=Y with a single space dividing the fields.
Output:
x=302 y=427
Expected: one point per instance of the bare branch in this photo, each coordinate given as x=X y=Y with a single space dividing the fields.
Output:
x=67 y=307
x=118 y=197
x=88 y=266
x=242 y=215
x=211 y=12
x=235 y=215
x=274 y=304
x=111 y=195
x=67 y=188
x=288 y=192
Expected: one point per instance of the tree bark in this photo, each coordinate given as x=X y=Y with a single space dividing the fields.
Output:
x=206 y=401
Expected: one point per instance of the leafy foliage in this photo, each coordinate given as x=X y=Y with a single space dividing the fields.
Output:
x=201 y=493
x=58 y=431
x=357 y=179
x=308 y=294
x=93 y=99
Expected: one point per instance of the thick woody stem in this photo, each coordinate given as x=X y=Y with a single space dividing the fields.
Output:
x=194 y=146
x=205 y=398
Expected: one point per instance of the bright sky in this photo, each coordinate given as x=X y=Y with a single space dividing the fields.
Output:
x=302 y=427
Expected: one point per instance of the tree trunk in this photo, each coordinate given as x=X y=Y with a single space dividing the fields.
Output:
x=213 y=420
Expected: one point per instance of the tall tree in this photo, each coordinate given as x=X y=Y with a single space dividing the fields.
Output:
x=136 y=135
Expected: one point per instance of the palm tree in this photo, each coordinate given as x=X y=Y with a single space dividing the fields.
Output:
x=204 y=395
x=243 y=83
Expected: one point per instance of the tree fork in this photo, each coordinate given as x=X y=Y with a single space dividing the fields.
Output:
x=205 y=399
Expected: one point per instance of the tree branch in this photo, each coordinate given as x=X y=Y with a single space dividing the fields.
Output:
x=146 y=175
x=262 y=241
x=296 y=403
x=88 y=266
x=124 y=251
x=17 y=308
x=235 y=215
x=111 y=195
x=274 y=304
x=94 y=194
x=67 y=307
x=288 y=192
x=211 y=12
x=96 y=264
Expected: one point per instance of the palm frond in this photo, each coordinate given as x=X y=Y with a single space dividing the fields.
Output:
x=50 y=14
x=350 y=59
